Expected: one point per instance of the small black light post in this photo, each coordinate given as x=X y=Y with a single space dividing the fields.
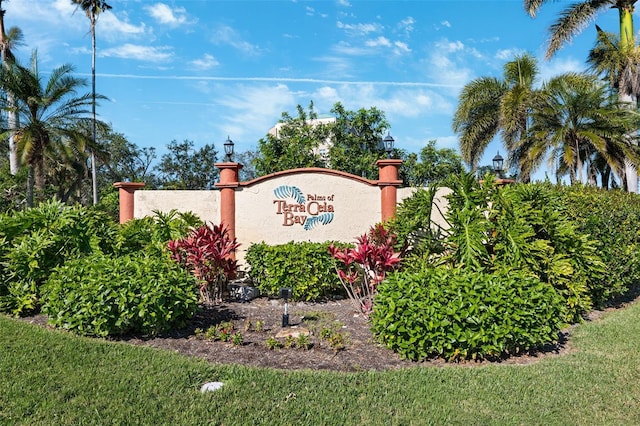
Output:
x=388 y=144
x=228 y=148
x=285 y=293
x=498 y=163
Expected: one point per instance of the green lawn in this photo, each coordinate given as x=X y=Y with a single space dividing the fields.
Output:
x=55 y=378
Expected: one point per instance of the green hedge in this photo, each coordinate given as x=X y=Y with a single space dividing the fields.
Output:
x=459 y=314
x=102 y=296
x=307 y=268
x=39 y=239
x=612 y=219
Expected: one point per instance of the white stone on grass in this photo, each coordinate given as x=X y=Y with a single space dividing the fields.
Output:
x=211 y=386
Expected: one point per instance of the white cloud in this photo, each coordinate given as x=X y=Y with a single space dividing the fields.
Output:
x=224 y=34
x=507 y=54
x=400 y=48
x=380 y=41
x=165 y=15
x=406 y=25
x=344 y=3
x=138 y=52
x=557 y=66
x=450 y=46
x=264 y=105
x=112 y=27
x=359 y=29
x=344 y=48
x=205 y=63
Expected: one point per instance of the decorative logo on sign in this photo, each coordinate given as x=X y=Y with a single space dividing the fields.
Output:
x=308 y=211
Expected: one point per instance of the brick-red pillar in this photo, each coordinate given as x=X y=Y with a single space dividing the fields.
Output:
x=388 y=182
x=125 y=195
x=228 y=183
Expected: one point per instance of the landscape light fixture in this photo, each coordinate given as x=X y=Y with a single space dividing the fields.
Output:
x=228 y=148
x=498 y=162
x=285 y=293
x=388 y=144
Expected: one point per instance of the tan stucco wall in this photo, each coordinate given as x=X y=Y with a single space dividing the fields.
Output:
x=356 y=207
x=205 y=204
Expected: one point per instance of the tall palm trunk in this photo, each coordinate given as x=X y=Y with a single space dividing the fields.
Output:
x=627 y=43
x=94 y=173
x=12 y=116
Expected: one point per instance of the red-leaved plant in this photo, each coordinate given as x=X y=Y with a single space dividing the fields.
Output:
x=365 y=266
x=207 y=253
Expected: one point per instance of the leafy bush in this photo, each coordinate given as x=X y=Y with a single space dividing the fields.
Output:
x=521 y=227
x=462 y=314
x=307 y=268
x=39 y=239
x=413 y=227
x=99 y=295
x=153 y=232
x=207 y=254
x=612 y=220
x=362 y=268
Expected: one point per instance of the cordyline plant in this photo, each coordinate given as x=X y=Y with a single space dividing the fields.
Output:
x=207 y=253
x=362 y=268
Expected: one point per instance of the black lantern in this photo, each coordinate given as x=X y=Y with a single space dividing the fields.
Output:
x=388 y=144
x=228 y=148
x=285 y=293
x=498 y=162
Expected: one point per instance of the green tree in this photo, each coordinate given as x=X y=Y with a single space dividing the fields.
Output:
x=49 y=117
x=295 y=144
x=92 y=8
x=489 y=106
x=7 y=42
x=621 y=68
x=124 y=160
x=356 y=140
x=433 y=165
x=187 y=168
x=247 y=159
x=578 y=121
x=573 y=20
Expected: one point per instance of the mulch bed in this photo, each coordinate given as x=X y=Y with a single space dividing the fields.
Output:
x=360 y=352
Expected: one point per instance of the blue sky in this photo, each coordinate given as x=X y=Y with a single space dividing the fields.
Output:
x=205 y=69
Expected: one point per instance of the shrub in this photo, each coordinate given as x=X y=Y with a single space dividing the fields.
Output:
x=307 y=268
x=459 y=314
x=206 y=253
x=612 y=220
x=100 y=296
x=39 y=239
x=151 y=233
x=413 y=227
x=521 y=227
x=362 y=268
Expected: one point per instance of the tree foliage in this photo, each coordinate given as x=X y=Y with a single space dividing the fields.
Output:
x=356 y=140
x=184 y=167
x=432 y=165
x=49 y=115
x=295 y=143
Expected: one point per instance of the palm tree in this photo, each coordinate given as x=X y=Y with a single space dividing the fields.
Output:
x=49 y=115
x=488 y=106
x=7 y=42
x=621 y=67
x=573 y=20
x=576 y=120
x=92 y=8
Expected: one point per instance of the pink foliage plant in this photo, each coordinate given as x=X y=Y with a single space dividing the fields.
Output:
x=207 y=252
x=362 y=268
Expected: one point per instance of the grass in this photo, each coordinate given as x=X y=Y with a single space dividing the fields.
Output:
x=50 y=377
